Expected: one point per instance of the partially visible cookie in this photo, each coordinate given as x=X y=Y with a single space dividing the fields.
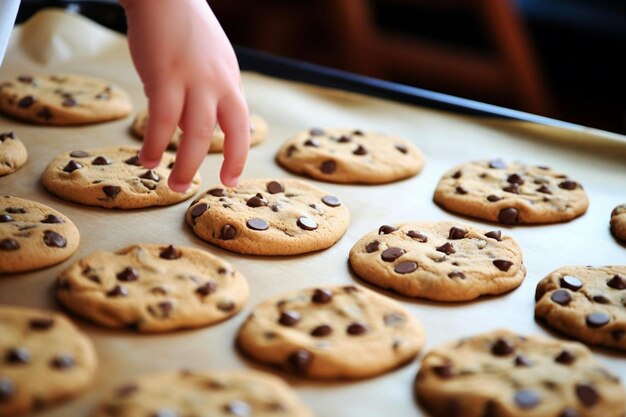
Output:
x=209 y=393
x=153 y=288
x=350 y=156
x=502 y=374
x=63 y=99
x=269 y=217
x=45 y=359
x=12 y=153
x=511 y=193
x=618 y=222
x=258 y=132
x=33 y=235
x=586 y=303
x=113 y=178
x=331 y=333
x=444 y=261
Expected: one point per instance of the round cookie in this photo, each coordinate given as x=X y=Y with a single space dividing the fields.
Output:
x=153 y=288
x=350 y=156
x=269 y=217
x=511 y=194
x=503 y=374
x=331 y=333
x=63 y=99
x=210 y=393
x=12 y=153
x=113 y=178
x=585 y=303
x=45 y=359
x=618 y=222
x=443 y=261
x=33 y=235
x=258 y=132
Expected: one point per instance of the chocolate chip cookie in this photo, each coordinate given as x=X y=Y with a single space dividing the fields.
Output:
x=618 y=222
x=33 y=235
x=153 y=288
x=586 y=303
x=444 y=261
x=113 y=178
x=258 y=132
x=210 y=393
x=331 y=333
x=504 y=374
x=350 y=156
x=63 y=99
x=269 y=217
x=511 y=193
x=12 y=153
x=45 y=359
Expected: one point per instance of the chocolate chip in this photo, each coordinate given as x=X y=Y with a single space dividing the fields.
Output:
x=26 y=79
x=512 y=188
x=331 y=201
x=526 y=399
x=25 y=102
x=133 y=160
x=322 y=296
x=45 y=114
x=256 y=201
x=344 y=139
x=198 y=210
x=497 y=164
x=587 y=394
x=509 y=215
x=618 y=282
x=228 y=232
x=403 y=149
x=306 y=224
x=515 y=179
x=170 y=253
x=53 y=239
x=502 y=347
x=391 y=254
x=290 y=150
x=17 y=356
x=502 y=265
x=111 y=190
x=565 y=357
x=314 y=143
x=360 y=150
x=150 y=175
x=571 y=283
x=217 y=192
x=372 y=246
x=393 y=319
x=257 y=224
x=618 y=334
x=51 y=218
x=43 y=323
x=128 y=274
x=600 y=299
x=457 y=175
x=316 y=131
x=5 y=218
x=289 y=318
x=63 y=362
x=568 y=185
x=328 y=167
x=521 y=360
x=543 y=189
x=561 y=297
x=386 y=229
x=443 y=371
x=238 y=408
x=299 y=361
x=321 y=330
x=7 y=389
x=569 y=412
x=493 y=198
x=117 y=291
x=72 y=166
x=461 y=190
x=405 y=267
x=457 y=233
x=69 y=102
x=226 y=305
x=9 y=244
x=597 y=319
x=456 y=274
x=206 y=289
x=126 y=390
x=6 y=135
x=446 y=248
x=274 y=187
x=357 y=328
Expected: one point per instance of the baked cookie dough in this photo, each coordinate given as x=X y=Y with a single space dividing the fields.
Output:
x=350 y=156
x=504 y=374
x=443 y=261
x=269 y=217
x=618 y=222
x=331 y=333
x=45 y=359
x=511 y=193
x=113 y=178
x=585 y=303
x=33 y=235
x=258 y=132
x=63 y=99
x=153 y=288
x=12 y=153
x=210 y=393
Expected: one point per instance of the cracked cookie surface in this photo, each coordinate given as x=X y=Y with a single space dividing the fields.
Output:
x=13 y=154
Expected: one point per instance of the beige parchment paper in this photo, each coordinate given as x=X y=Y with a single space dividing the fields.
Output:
x=53 y=41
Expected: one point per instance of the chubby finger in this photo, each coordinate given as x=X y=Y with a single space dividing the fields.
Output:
x=165 y=106
x=197 y=124
x=234 y=120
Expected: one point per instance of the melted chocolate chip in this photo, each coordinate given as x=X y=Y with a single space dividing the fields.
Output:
x=9 y=244
x=306 y=224
x=72 y=166
x=443 y=371
x=386 y=229
x=274 y=187
x=206 y=289
x=217 y=192
x=226 y=305
x=457 y=233
x=360 y=150
x=509 y=215
x=565 y=357
x=403 y=149
x=617 y=282
x=571 y=283
x=25 y=102
x=322 y=296
x=344 y=139
x=63 y=362
x=456 y=274
x=515 y=179
x=587 y=394
x=299 y=361
x=257 y=224
x=405 y=267
x=256 y=201
x=328 y=167
x=511 y=188
x=170 y=253
x=414 y=234
x=314 y=143
x=561 y=297
x=111 y=190
x=128 y=274
x=228 y=232
x=597 y=319
x=568 y=185
x=457 y=175
x=133 y=160
x=321 y=330
x=51 y=218
x=150 y=175
x=446 y=248
x=17 y=356
x=331 y=201
x=502 y=347
x=600 y=299
x=521 y=360
x=118 y=291
x=289 y=318
x=290 y=150
x=493 y=198
x=357 y=328
x=461 y=190
x=543 y=189
x=53 y=239
x=391 y=254
x=502 y=265
x=526 y=399
x=69 y=102
x=373 y=246
x=199 y=210
x=5 y=218
x=497 y=164
x=43 y=323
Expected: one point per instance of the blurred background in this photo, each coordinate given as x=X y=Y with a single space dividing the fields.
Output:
x=556 y=58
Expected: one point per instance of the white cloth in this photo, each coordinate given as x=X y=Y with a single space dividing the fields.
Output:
x=8 y=12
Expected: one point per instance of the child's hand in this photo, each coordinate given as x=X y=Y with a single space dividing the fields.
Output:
x=191 y=78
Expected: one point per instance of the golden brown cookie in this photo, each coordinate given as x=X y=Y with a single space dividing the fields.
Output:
x=618 y=222
x=12 y=153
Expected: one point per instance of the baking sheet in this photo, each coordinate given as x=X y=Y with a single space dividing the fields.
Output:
x=54 y=41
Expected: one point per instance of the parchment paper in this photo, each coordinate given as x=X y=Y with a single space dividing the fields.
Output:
x=54 y=41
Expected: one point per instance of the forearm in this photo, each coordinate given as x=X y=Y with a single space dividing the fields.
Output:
x=8 y=11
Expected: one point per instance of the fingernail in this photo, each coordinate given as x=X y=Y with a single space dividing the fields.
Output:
x=149 y=164
x=177 y=186
x=232 y=182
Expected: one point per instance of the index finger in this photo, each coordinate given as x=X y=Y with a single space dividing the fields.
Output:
x=234 y=120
